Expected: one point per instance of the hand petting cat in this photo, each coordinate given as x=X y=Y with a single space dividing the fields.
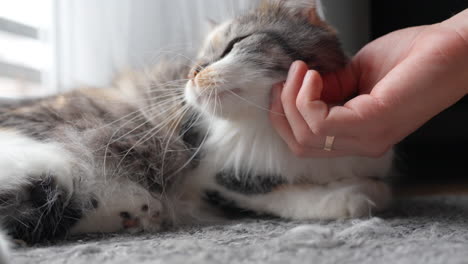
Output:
x=401 y=80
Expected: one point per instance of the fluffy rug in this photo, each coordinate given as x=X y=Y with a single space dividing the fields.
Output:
x=423 y=230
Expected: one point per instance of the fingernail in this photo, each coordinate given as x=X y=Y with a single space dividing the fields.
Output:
x=292 y=72
x=308 y=76
x=293 y=69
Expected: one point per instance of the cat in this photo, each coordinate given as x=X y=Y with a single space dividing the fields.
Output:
x=167 y=150
x=245 y=163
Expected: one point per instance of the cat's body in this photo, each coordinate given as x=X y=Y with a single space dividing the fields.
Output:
x=110 y=160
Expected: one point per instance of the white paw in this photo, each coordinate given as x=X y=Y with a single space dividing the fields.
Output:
x=122 y=206
x=356 y=201
x=145 y=218
x=359 y=205
x=346 y=204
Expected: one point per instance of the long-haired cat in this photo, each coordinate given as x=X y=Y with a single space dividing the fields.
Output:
x=150 y=151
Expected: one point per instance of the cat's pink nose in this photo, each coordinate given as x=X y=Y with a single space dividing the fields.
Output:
x=206 y=79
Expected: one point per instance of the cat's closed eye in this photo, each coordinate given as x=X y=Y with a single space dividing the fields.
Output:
x=228 y=49
x=231 y=44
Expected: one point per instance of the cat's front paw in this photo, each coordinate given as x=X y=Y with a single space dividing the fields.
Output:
x=355 y=205
x=123 y=206
x=145 y=218
x=356 y=201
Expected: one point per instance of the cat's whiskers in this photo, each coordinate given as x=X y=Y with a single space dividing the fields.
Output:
x=160 y=92
x=152 y=132
x=148 y=120
x=167 y=200
x=174 y=85
x=172 y=53
x=136 y=112
x=166 y=147
x=254 y=104
x=48 y=205
x=141 y=114
x=205 y=137
x=173 y=97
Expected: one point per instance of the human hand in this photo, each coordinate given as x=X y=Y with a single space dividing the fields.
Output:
x=402 y=81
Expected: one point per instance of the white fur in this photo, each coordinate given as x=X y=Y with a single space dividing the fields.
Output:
x=22 y=157
x=4 y=249
x=116 y=197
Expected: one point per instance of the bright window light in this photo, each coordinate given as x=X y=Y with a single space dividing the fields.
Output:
x=26 y=47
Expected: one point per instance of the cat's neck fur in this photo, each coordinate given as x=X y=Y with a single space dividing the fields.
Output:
x=250 y=144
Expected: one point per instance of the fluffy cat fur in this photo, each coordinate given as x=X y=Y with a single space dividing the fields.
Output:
x=157 y=150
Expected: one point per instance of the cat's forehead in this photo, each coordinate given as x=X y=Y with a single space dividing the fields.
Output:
x=238 y=27
x=229 y=30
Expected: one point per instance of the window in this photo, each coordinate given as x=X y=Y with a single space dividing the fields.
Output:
x=26 y=48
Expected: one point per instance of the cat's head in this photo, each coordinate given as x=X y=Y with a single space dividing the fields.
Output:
x=243 y=58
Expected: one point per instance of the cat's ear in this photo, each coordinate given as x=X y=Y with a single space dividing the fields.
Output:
x=212 y=24
x=311 y=9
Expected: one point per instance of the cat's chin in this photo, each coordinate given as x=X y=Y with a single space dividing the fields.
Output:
x=213 y=102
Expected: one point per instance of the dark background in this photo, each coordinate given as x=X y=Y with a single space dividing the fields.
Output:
x=438 y=152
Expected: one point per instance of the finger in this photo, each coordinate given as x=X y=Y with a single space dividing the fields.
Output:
x=353 y=120
x=280 y=122
x=308 y=102
x=299 y=127
x=341 y=147
x=343 y=121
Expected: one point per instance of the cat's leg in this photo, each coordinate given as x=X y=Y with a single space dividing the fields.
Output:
x=345 y=199
x=46 y=193
x=37 y=199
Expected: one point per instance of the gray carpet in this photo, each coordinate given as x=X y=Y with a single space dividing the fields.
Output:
x=424 y=230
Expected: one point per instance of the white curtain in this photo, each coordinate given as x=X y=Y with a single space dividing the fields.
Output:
x=97 y=39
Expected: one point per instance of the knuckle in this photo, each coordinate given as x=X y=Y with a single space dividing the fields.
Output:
x=301 y=103
x=285 y=98
x=303 y=139
x=318 y=128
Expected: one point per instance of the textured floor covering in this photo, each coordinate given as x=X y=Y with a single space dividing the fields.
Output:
x=423 y=230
